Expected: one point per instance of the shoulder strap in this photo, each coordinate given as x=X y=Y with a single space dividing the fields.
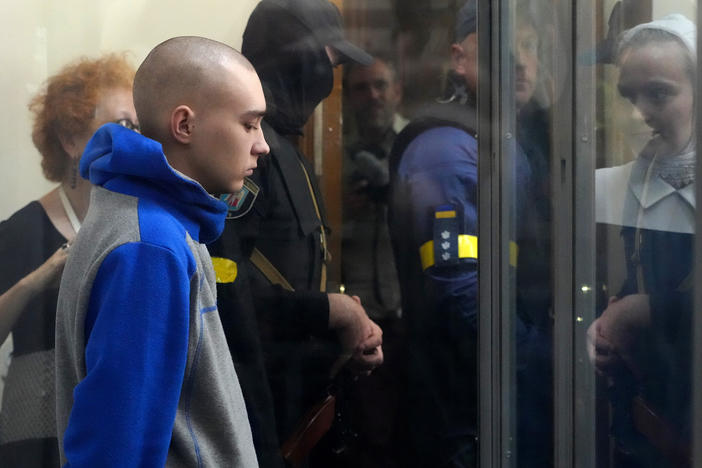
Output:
x=288 y=160
x=285 y=155
x=326 y=256
x=435 y=115
x=269 y=270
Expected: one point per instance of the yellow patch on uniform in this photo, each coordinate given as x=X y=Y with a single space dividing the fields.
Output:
x=513 y=254
x=445 y=214
x=225 y=269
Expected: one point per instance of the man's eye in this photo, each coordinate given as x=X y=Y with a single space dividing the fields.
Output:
x=626 y=93
x=658 y=93
x=360 y=88
x=250 y=126
x=380 y=85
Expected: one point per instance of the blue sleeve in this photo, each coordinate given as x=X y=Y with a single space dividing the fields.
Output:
x=136 y=351
x=439 y=168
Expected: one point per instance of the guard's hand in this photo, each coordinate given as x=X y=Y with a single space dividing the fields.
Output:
x=370 y=354
x=602 y=353
x=616 y=334
x=360 y=338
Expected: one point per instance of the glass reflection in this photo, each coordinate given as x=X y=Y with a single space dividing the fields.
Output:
x=373 y=97
x=533 y=312
x=641 y=343
x=419 y=407
x=434 y=225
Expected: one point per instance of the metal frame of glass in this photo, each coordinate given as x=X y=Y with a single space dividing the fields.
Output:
x=573 y=235
x=582 y=186
x=488 y=266
x=697 y=319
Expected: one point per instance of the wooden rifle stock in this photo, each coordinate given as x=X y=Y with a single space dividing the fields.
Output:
x=660 y=433
x=311 y=428
x=314 y=424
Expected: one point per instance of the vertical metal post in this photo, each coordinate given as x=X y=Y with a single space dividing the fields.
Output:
x=584 y=144
x=563 y=245
x=505 y=228
x=488 y=265
x=697 y=317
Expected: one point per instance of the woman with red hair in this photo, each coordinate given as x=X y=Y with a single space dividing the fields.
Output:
x=35 y=241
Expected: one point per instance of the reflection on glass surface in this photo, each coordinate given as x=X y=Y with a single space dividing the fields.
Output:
x=433 y=226
x=408 y=207
x=373 y=96
x=641 y=345
x=532 y=313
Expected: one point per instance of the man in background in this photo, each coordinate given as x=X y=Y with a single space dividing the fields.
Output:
x=373 y=95
x=433 y=203
x=434 y=228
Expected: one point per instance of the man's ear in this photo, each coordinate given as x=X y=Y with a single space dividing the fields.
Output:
x=463 y=53
x=182 y=124
x=457 y=58
x=397 y=90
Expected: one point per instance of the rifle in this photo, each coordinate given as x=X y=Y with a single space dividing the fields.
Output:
x=315 y=423
x=660 y=433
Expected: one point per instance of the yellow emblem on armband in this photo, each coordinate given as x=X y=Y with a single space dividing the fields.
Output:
x=225 y=269
x=467 y=248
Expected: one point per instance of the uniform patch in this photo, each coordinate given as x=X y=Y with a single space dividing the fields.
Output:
x=448 y=246
x=446 y=231
x=226 y=270
x=240 y=203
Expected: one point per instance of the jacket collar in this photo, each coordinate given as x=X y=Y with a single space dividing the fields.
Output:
x=650 y=192
x=124 y=161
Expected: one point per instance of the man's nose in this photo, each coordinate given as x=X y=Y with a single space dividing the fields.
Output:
x=260 y=148
x=519 y=55
x=636 y=113
x=642 y=110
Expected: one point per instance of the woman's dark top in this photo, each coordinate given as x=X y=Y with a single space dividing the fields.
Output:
x=27 y=415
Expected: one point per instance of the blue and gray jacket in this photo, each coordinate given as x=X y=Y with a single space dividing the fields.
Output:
x=144 y=374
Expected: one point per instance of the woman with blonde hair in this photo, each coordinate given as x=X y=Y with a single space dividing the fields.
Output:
x=642 y=341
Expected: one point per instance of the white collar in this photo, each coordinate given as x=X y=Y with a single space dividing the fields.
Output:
x=657 y=189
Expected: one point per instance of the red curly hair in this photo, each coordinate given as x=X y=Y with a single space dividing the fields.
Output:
x=66 y=106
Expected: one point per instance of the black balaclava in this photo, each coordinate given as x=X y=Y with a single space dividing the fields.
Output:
x=293 y=66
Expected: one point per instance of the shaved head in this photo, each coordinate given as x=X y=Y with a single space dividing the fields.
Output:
x=203 y=101
x=184 y=70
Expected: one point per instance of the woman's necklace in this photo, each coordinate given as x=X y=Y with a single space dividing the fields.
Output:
x=677 y=169
x=68 y=208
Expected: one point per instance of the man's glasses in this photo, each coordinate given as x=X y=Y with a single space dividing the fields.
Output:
x=129 y=124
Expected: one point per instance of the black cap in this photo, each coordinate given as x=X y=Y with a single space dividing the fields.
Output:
x=466 y=20
x=323 y=19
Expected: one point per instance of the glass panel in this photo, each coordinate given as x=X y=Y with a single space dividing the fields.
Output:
x=586 y=199
x=637 y=326
x=418 y=409
x=422 y=406
x=527 y=93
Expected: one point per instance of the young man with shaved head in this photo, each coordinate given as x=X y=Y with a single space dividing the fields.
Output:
x=144 y=374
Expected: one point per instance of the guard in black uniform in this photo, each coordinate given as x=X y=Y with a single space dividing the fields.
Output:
x=276 y=237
